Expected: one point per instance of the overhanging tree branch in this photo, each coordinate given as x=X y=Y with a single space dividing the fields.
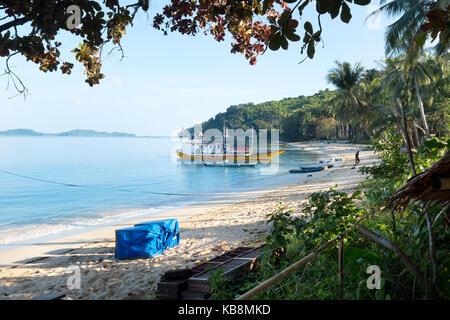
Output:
x=14 y=23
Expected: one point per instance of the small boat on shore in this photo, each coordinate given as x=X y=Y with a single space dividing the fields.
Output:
x=309 y=169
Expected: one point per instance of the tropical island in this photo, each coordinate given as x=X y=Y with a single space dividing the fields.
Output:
x=72 y=133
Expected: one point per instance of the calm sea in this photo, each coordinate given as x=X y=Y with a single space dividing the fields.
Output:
x=108 y=180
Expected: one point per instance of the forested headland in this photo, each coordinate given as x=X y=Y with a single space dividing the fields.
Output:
x=363 y=104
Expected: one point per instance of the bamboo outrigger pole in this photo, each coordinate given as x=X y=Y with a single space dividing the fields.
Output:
x=283 y=274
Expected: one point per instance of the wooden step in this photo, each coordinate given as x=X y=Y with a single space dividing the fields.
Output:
x=233 y=262
x=242 y=262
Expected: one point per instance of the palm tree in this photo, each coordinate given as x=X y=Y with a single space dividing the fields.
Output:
x=413 y=13
x=415 y=68
x=401 y=38
x=395 y=86
x=347 y=78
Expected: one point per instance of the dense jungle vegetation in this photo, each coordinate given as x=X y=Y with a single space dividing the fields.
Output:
x=363 y=105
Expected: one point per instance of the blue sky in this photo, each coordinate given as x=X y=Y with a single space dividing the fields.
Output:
x=166 y=82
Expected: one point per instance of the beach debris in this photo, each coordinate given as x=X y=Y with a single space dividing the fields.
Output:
x=146 y=240
x=196 y=286
x=219 y=247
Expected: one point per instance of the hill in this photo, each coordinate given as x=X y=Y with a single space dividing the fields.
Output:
x=72 y=133
x=300 y=118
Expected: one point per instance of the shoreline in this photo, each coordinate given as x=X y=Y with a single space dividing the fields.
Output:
x=41 y=268
x=71 y=228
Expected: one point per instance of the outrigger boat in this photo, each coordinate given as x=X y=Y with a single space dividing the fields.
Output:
x=308 y=169
x=222 y=154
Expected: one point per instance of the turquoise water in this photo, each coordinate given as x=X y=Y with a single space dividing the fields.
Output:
x=112 y=179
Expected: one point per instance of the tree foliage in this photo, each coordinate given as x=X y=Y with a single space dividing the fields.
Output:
x=364 y=105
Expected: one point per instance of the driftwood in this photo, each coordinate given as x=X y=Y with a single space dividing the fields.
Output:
x=388 y=244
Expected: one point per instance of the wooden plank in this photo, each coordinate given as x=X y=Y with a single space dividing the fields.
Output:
x=198 y=285
x=233 y=262
x=171 y=287
x=231 y=268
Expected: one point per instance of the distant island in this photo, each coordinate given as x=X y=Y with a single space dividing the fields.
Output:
x=72 y=133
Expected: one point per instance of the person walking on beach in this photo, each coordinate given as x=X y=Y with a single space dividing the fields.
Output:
x=357 y=158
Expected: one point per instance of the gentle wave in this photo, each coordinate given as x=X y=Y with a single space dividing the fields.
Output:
x=35 y=231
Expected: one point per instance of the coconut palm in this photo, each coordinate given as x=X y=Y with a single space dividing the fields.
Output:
x=411 y=13
x=350 y=104
x=395 y=86
x=401 y=38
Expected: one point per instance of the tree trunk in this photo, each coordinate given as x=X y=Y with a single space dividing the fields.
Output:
x=406 y=133
x=432 y=252
x=416 y=134
x=363 y=125
x=422 y=110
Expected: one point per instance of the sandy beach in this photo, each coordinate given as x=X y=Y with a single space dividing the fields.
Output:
x=208 y=229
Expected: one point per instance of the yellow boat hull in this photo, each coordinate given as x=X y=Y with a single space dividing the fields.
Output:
x=234 y=158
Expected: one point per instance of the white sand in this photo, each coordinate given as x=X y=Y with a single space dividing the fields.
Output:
x=208 y=229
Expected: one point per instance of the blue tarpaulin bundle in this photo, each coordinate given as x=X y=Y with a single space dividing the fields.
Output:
x=171 y=228
x=147 y=239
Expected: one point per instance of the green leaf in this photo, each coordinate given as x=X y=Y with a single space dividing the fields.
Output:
x=362 y=2
x=293 y=37
x=334 y=8
x=302 y=6
x=95 y=5
x=275 y=41
x=379 y=295
x=307 y=38
x=323 y=6
x=316 y=36
x=420 y=40
x=308 y=27
x=311 y=50
x=284 y=43
x=345 y=13
x=285 y=16
x=293 y=23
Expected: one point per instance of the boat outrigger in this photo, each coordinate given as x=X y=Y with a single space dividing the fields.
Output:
x=223 y=153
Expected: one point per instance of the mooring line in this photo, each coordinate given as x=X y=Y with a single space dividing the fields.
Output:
x=112 y=189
